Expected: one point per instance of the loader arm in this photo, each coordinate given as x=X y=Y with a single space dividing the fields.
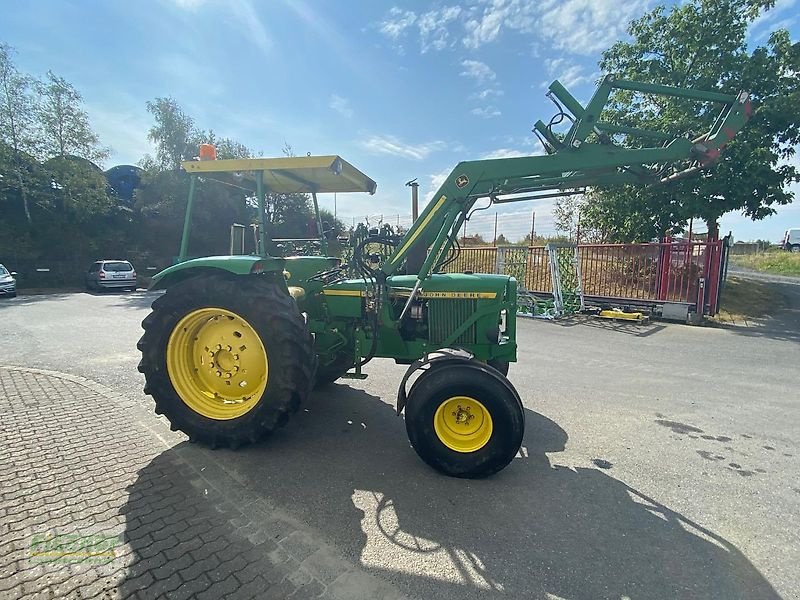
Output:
x=586 y=156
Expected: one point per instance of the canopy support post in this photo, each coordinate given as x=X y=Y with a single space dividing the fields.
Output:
x=262 y=215
x=322 y=239
x=187 y=220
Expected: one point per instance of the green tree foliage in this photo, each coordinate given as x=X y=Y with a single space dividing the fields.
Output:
x=703 y=44
x=219 y=201
x=566 y=212
x=18 y=132
x=53 y=200
x=333 y=227
x=476 y=239
x=172 y=133
x=64 y=124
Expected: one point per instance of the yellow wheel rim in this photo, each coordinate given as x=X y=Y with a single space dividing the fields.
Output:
x=463 y=424
x=217 y=363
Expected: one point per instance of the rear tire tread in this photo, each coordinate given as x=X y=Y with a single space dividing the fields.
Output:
x=289 y=347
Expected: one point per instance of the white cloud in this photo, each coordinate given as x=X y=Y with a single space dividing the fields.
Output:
x=775 y=18
x=574 y=26
x=251 y=24
x=481 y=73
x=585 y=26
x=570 y=75
x=435 y=182
x=478 y=71
x=389 y=144
x=341 y=105
x=246 y=16
x=496 y=14
x=487 y=94
x=486 y=112
x=189 y=4
x=433 y=26
x=504 y=153
x=397 y=23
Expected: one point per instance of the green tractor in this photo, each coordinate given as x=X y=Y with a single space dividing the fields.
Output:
x=237 y=343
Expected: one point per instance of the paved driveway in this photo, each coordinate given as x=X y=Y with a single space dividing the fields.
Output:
x=659 y=461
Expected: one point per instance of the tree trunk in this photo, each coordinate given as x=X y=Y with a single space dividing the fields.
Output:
x=24 y=196
x=713 y=230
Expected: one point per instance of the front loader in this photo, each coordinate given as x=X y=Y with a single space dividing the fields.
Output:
x=237 y=343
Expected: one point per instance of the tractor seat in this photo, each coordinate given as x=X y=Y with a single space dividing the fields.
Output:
x=296 y=292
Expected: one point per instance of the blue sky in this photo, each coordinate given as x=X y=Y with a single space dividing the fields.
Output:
x=401 y=89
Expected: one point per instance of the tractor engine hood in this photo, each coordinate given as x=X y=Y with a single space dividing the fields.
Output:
x=454 y=285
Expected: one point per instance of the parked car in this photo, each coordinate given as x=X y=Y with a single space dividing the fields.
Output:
x=791 y=240
x=8 y=285
x=111 y=274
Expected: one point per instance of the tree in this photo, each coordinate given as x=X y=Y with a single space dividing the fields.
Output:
x=332 y=224
x=476 y=239
x=703 y=44
x=64 y=124
x=17 y=121
x=172 y=133
x=79 y=187
x=502 y=241
x=566 y=212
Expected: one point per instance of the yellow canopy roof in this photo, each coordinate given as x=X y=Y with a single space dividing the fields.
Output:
x=301 y=174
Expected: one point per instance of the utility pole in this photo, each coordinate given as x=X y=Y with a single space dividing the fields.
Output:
x=494 y=242
x=414 y=199
x=533 y=226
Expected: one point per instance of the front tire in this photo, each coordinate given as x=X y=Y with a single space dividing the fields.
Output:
x=465 y=419
x=227 y=359
x=500 y=365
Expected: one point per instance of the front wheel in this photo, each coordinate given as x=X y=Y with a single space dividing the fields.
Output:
x=226 y=358
x=500 y=365
x=465 y=419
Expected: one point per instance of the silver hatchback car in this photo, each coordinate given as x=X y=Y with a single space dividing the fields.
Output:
x=111 y=274
x=8 y=285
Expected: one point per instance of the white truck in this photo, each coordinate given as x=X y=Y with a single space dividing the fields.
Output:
x=791 y=240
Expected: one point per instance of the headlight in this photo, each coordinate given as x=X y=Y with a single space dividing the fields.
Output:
x=503 y=319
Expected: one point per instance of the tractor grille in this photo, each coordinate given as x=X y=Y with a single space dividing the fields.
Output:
x=445 y=316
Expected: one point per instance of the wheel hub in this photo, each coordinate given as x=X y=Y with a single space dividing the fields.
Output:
x=217 y=363
x=463 y=415
x=463 y=424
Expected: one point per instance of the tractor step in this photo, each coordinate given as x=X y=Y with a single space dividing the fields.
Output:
x=354 y=376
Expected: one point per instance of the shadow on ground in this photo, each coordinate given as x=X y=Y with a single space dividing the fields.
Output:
x=24 y=299
x=782 y=325
x=536 y=530
x=643 y=329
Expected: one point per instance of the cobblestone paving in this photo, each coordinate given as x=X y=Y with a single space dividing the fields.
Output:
x=98 y=499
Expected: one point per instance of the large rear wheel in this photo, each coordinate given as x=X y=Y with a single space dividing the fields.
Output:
x=226 y=358
x=465 y=419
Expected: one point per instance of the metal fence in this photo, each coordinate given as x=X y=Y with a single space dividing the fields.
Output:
x=676 y=271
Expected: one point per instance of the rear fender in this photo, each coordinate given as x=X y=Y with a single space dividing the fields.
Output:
x=235 y=265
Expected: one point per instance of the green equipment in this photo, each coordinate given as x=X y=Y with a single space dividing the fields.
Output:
x=237 y=343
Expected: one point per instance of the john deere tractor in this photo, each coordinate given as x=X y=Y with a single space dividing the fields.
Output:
x=237 y=343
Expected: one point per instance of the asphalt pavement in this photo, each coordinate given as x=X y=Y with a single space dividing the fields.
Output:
x=659 y=461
